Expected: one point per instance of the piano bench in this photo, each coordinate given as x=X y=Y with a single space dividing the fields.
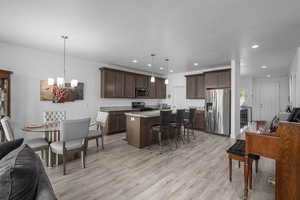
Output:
x=237 y=152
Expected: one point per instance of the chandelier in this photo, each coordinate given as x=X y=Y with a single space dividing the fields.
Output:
x=60 y=81
x=152 y=79
x=167 y=65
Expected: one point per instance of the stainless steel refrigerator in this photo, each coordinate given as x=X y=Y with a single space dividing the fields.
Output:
x=217 y=111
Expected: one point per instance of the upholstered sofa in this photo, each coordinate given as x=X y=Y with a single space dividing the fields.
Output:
x=22 y=175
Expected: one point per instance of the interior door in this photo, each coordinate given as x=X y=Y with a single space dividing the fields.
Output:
x=266 y=100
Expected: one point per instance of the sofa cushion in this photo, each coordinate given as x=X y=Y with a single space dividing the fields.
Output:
x=7 y=147
x=19 y=174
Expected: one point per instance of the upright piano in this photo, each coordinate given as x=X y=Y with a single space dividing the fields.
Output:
x=283 y=146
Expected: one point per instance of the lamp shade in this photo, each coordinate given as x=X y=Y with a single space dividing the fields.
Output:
x=74 y=83
x=152 y=79
x=167 y=81
x=60 y=81
x=50 y=81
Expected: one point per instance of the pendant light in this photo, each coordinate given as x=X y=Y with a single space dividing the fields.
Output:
x=60 y=81
x=152 y=79
x=167 y=80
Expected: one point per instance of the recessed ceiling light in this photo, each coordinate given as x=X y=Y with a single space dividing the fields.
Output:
x=269 y=76
x=171 y=70
x=135 y=61
x=196 y=64
x=264 y=67
x=161 y=68
x=255 y=46
x=149 y=65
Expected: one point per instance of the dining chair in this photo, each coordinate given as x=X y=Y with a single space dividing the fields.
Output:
x=163 y=129
x=73 y=139
x=189 y=124
x=36 y=144
x=54 y=117
x=177 y=125
x=101 y=129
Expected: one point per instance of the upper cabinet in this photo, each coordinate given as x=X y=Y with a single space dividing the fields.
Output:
x=141 y=81
x=218 y=79
x=152 y=89
x=129 y=84
x=200 y=87
x=113 y=81
x=191 y=87
x=160 y=87
x=224 y=79
x=197 y=84
x=211 y=80
x=195 y=88
x=121 y=84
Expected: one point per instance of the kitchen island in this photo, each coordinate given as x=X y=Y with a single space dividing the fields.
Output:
x=116 y=121
x=139 y=126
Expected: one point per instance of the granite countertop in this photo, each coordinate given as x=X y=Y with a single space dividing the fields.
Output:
x=124 y=108
x=118 y=108
x=146 y=114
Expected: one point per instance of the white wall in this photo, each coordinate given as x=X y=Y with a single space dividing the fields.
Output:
x=179 y=80
x=246 y=82
x=295 y=79
x=31 y=65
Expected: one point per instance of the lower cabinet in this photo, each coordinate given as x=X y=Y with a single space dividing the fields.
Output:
x=116 y=122
x=200 y=120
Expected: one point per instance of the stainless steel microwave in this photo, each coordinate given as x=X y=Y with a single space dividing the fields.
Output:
x=141 y=92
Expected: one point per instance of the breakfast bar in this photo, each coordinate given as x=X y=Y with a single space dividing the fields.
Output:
x=139 y=127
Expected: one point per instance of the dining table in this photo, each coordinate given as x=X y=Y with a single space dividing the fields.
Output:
x=51 y=131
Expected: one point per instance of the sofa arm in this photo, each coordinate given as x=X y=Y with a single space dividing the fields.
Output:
x=44 y=190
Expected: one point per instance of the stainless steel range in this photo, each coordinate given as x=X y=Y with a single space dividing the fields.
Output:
x=217 y=111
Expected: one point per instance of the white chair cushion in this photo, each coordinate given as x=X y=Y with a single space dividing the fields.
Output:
x=36 y=143
x=57 y=147
x=94 y=133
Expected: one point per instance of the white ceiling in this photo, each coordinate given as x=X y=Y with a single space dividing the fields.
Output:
x=186 y=31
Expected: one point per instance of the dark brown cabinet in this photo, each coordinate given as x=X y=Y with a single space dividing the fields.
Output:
x=200 y=87
x=200 y=120
x=191 y=87
x=218 y=79
x=224 y=79
x=152 y=90
x=114 y=83
x=160 y=88
x=211 y=80
x=129 y=84
x=116 y=122
x=141 y=81
x=121 y=84
x=195 y=87
x=108 y=79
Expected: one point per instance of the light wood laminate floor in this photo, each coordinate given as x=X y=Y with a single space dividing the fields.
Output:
x=198 y=170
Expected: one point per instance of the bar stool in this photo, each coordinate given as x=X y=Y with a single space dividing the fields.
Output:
x=237 y=152
x=177 y=125
x=189 y=123
x=163 y=130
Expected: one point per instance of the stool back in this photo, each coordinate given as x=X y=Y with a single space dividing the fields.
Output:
x=180 y=116
x=165 y=117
